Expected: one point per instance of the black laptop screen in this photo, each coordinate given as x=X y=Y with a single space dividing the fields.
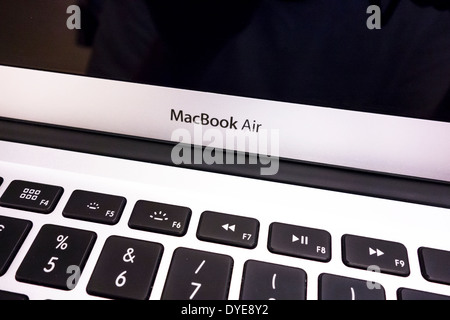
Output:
x=381 y=56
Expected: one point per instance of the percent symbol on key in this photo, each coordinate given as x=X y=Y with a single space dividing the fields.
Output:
x=62 y=244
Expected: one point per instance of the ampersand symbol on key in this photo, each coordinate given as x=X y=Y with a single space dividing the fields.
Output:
x=128 y=257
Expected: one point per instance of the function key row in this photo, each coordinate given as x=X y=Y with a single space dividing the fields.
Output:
x=297 y=241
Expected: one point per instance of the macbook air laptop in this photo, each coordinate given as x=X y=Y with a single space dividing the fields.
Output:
x=266 y=150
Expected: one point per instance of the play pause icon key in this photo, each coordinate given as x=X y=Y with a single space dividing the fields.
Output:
x=301 y=242
x=302 y=239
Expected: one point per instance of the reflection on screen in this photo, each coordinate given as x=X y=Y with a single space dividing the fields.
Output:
x=319 y=52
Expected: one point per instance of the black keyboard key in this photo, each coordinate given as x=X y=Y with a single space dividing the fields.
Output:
x=57 y=257
x=301 y=242
x=1 y=181
x=198 y=275
x=126 y=269
x=333 y=287
x=409 y=294
x=160 y=218
x=435 y=265
x=95 y=207
x=6 y=295
x=228 y=229
x=376 y=255
x=31 y=196
x=12 y=234
x=267 y=281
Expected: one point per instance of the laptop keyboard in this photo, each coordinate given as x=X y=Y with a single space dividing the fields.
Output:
x=82 y=236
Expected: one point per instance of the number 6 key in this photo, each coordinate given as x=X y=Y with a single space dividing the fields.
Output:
x=126 y=269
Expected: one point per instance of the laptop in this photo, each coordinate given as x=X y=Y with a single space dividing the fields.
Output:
x=272 y=150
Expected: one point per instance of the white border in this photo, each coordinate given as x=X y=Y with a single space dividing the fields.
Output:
x=372 y=142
